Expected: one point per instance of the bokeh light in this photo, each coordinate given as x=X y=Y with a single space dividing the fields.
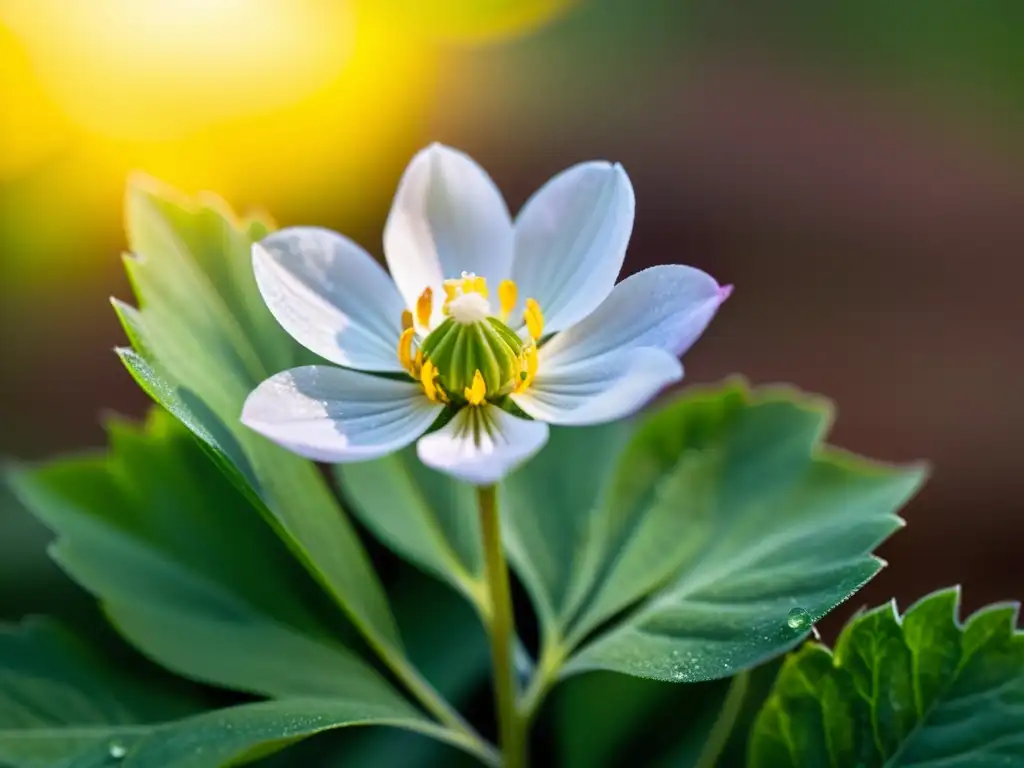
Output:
x=159 y=69
x=263 y=100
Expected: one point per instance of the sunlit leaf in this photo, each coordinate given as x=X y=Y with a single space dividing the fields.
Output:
x=203 y=341
x=188 y=570
x=914 y=690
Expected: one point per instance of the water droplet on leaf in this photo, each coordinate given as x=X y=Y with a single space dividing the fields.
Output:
x=798 y=618
x=117 y=750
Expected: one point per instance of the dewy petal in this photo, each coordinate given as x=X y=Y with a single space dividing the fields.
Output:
x=336 y=415
x=667 y=307
x=331 y=296
x=570 y=240
x=604 y=389
x=482 y=444
x=447 y=218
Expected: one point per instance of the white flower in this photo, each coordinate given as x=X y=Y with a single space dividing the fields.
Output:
x=557 y=338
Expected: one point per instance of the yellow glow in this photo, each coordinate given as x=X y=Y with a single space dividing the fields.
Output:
x=155 y=69
x=308 y=108
x=31 y=127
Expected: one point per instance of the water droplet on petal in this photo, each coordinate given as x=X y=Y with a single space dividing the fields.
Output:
x=798 y=618
x=117 y=750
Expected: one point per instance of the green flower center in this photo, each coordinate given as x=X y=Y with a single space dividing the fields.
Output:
x=472 y=356
x=458 y=351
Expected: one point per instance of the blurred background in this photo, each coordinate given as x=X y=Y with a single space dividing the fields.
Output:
x=855 y=168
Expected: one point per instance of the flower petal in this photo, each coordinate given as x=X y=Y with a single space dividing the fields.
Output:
x=604 y=389
x=447 y=217
x=666 y=307
x=570 y=240
x=482 y=444
x=335 y=415
x=331 y=296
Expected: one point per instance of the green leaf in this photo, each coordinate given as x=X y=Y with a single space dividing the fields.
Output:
x=724 y=515
x=203 y=341
x=424 y=516
x=241 y=734
x=916 y=690
x=61 y=706
x=668 y=725
x=548 y=517
x=188 y=571
x=448 y=644
x=59 y=701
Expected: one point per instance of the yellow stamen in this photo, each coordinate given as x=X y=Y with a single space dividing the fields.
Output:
x=476 y=393
x=406 y=319
x=425 y=307
x=405 y=349
x=534 y=319
x=427 y=374
x=530 y=361
x=478 y=284
x=508 y=294
x=451 y=289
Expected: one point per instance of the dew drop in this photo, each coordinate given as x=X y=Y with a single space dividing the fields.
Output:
x=116 y=750
x=798 y=618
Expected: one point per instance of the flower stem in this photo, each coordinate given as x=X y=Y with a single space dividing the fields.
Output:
x=502 y=630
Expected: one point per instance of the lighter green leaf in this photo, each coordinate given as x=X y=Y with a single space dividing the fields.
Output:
x=917 y=690
x=724 y=516
x=63 y=707
x=204 y=340
x=188 y=570
x=423 y=515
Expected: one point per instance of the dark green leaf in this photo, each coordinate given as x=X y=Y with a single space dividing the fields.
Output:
x=60 y=703
x=917 y=690
x=449 y=646
x=188 y=570
x=607 y=719
x=63 y=707
x=725 y=517
x=423 y=515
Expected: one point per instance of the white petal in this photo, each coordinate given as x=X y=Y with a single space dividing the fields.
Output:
x=604 y=389
x=447 y=218
x=571 y=238
x=482 y=445
x=331 y=296
x=335 y=415
x=666 y=307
